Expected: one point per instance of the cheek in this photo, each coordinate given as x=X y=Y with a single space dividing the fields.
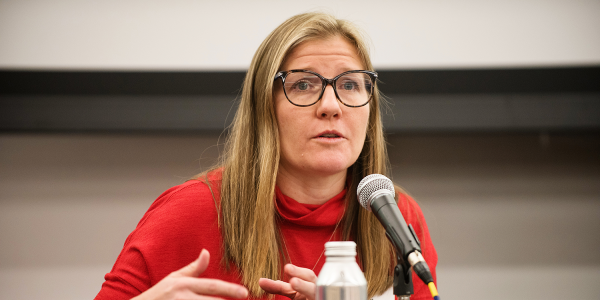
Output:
x=361 y=124
x=288 y=127
x=285 y=120
x=281 y=113
x=361 y=129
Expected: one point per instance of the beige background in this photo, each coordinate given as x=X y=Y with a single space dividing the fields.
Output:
x=512 y=215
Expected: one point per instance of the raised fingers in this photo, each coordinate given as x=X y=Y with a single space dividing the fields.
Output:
x=302 y=273
x=197 y=267
x=203 y=261
x=276 y=287
x=215 y=287
x=306 y=288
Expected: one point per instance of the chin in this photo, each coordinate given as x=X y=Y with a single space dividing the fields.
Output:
x=331 y=166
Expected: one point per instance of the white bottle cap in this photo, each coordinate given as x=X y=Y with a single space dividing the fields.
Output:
x=347 y=248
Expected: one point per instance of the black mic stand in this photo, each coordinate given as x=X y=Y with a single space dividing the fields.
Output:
x=403 y=285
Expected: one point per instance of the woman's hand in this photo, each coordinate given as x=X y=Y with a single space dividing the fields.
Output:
x=302 y=285
x=185 y=284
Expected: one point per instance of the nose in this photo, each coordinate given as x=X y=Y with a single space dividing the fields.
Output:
x=329 y=106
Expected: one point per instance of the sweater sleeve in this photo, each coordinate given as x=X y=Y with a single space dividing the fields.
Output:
x=171 y=234
x=127 y=279
x=413 y=215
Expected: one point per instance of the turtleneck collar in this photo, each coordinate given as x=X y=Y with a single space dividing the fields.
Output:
x=327 y=214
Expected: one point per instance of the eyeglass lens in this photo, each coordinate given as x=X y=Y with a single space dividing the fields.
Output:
x=304 y=88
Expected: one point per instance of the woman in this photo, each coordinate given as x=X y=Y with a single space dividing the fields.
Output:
x=298 y=147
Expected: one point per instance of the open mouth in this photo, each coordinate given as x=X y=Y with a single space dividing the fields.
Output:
x=329 y=135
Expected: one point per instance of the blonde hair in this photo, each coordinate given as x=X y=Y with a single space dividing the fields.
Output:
x=250 y=163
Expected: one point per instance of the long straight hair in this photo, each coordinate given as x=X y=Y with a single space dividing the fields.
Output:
x=250 y=162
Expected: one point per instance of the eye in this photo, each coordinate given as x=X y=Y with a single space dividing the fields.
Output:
x=349 y=85
x=303 y=86
x=302 y=83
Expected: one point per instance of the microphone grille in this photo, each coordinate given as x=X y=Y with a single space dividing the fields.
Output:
x=371 y=184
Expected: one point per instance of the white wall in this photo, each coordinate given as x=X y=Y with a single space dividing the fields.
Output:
x=223 y=35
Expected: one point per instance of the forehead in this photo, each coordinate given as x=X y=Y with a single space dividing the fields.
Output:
x=318 y=52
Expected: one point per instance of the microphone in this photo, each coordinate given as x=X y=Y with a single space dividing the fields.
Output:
x=376 y=194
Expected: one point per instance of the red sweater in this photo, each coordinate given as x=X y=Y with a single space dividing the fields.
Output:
x=183 y=221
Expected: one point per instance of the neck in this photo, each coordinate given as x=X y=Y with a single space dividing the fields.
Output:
x=310 y=189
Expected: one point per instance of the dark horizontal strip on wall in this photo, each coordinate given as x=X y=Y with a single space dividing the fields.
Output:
x=119 y=83
x=160 y=83
x=492 y=81
x=403 y=113
x=538 y=99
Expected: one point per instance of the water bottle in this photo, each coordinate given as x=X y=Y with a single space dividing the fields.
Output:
x=341 y=278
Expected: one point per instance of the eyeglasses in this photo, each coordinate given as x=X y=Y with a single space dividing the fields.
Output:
x=305 y=88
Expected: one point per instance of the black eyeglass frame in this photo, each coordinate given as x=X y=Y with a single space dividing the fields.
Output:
x=283 y=75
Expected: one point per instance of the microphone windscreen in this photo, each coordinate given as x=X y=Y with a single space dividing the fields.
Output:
x=371 y=184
